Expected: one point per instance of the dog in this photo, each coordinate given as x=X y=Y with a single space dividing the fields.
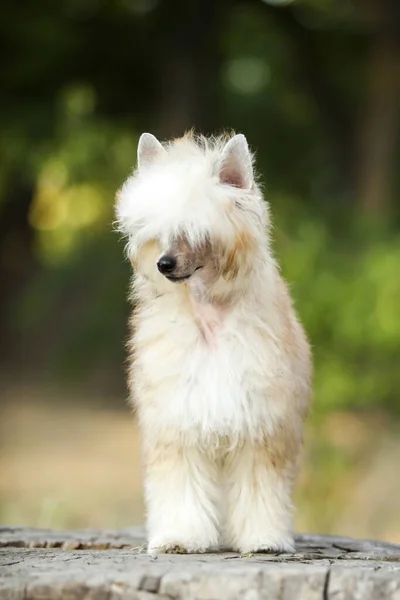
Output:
x=220 y=367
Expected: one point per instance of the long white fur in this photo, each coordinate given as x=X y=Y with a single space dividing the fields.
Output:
x=220 y=371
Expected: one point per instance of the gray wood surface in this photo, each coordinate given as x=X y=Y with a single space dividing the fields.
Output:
x=43 y=564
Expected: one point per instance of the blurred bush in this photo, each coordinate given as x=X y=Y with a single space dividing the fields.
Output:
x=343 y=279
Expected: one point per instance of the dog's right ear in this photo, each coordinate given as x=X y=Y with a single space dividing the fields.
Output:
x=237 y=168
x=149 y=148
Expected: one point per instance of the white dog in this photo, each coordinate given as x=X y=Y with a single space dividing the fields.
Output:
x=220 y=366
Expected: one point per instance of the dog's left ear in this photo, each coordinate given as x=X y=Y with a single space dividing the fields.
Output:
x=236 y=163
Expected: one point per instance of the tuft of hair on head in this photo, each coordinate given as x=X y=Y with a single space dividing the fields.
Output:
x=230 y=153
x=149 y=149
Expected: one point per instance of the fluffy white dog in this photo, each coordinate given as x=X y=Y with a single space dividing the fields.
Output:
x=220 y=366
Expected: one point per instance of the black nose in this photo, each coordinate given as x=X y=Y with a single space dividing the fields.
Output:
x=166 y=264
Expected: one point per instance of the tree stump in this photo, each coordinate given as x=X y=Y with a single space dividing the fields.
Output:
x=39 y=564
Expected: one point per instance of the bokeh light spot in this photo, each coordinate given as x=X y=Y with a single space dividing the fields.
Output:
x=247 y=75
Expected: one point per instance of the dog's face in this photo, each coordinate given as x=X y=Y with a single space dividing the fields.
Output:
x=192 y=211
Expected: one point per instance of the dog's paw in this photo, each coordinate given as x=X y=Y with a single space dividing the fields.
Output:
x=167 y=549
x=267 y=544
x=173 y=546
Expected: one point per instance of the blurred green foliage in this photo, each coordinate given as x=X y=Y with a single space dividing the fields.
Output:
x=310 y=83
x=347 y=295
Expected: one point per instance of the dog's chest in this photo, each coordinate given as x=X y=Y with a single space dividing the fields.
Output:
x=210 y=375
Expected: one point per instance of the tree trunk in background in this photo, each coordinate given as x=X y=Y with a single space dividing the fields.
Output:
x=379 y=127
x=17 y=258
x=189 y=63
x=312 y=76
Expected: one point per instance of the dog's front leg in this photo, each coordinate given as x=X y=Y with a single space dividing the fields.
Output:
x=258 y=516
x=181 y=490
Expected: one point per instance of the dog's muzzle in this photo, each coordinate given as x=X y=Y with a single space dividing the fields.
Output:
x=168 y=266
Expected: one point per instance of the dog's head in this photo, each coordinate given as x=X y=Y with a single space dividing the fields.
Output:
x=192 y=210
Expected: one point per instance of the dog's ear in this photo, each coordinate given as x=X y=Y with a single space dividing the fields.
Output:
x=149 y=148
x=236 y=163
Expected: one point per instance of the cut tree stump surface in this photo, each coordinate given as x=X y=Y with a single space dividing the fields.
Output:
x=39 y=564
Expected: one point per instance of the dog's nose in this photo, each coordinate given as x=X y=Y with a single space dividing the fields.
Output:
x=166 y=264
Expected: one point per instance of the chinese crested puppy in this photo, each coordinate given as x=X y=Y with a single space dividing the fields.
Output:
x=220 y=366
